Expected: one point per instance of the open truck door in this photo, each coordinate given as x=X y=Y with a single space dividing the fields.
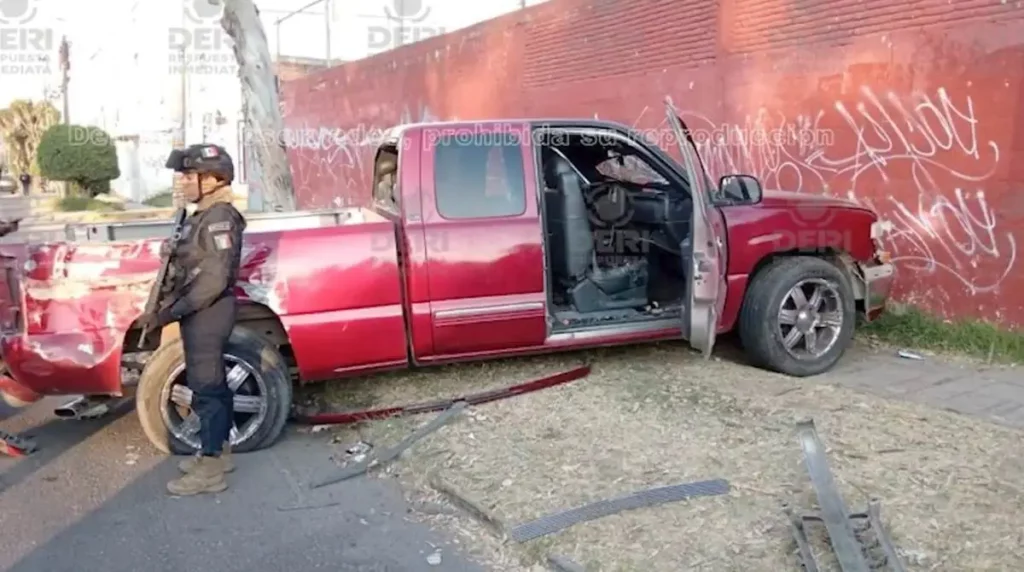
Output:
x=705 y=253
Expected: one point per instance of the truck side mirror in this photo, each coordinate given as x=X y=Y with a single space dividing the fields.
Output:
x=741 y=188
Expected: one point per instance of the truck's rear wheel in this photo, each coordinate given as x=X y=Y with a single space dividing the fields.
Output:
x=798 y=316
x=256 y=372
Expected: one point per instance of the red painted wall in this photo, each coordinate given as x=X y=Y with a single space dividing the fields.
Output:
x=917 y=111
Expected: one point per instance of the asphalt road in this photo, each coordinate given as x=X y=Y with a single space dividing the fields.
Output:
x=93 y=498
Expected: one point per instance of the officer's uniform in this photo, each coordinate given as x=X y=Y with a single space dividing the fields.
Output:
x=206 y=260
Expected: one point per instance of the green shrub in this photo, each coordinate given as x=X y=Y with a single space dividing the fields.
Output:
x=160 y=200
x=83 y=155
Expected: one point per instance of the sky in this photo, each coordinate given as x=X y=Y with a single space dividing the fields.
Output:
x=121 y=55
x=126 y=72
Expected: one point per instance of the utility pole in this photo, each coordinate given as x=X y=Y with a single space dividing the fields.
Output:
x=327 y=31
x=262 y=103
x=178 y=140
x=400 y=8
x=65 y=67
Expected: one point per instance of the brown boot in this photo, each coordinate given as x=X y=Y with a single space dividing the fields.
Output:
x=206 y=477
x=188 y=464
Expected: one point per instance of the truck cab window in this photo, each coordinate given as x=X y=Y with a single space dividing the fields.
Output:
x=630 y=168
x=479 y=178
x=385 y=183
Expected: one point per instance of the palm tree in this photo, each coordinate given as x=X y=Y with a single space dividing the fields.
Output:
x=22 y=125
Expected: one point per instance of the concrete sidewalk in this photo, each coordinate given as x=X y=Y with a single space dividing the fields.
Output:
x=992 y=393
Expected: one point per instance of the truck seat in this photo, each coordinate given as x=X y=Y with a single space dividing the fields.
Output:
x=571 y=245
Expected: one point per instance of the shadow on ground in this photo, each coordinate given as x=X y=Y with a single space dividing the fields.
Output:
x=93 y=498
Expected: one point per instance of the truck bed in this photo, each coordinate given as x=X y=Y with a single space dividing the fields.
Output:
x=255 y=223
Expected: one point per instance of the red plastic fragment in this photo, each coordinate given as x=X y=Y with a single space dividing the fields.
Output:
x=347 y=417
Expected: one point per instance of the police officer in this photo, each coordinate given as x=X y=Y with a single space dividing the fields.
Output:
x=206 y=267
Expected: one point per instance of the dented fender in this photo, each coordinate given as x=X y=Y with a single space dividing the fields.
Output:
x=74 y=303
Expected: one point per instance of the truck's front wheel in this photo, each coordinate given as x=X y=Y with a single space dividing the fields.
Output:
x=256 y=373
x=798 y=316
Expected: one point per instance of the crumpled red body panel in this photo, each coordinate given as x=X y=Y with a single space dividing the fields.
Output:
x=77 y=301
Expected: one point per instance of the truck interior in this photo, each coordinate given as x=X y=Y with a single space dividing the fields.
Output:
x=616 y=230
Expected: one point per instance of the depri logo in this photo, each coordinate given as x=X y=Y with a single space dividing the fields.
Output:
x=17 y=12
x=405 y=25
x=411 y=11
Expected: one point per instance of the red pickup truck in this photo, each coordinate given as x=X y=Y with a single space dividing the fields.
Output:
x=483 y=240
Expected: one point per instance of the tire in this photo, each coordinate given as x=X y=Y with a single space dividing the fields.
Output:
x=760 y=327
x=268 y=373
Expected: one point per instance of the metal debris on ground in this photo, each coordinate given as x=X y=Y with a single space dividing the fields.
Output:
x=86 y=407
x=560 y=563
x=443 y=404
x=859 y=540
x=470 y=505
x=14 y=445
x=909 y=355
x=650 y=497
x=388 y=455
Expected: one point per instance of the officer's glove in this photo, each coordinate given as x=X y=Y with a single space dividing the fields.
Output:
x=152 y=322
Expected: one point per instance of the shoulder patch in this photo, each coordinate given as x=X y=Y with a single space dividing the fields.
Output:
x=222 y=241
x=222 y=226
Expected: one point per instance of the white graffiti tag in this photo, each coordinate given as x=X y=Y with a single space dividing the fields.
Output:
x=919 y=152
x=331 y=165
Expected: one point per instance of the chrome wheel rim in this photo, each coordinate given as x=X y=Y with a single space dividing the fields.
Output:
x=250 y=403
x=810 y=318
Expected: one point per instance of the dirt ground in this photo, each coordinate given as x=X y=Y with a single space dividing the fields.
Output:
x=951 y=487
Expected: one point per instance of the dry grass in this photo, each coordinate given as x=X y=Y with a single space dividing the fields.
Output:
x=952 y=488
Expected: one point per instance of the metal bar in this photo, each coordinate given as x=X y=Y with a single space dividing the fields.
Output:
x=561 y=563
x=347 y=417
x=796 y=527
x=650 y=497
x=393 y=453
x=833 y=511
x=875 y=518
x=327 y=26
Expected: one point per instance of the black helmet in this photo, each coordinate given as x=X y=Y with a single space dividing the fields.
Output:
x=204 y=159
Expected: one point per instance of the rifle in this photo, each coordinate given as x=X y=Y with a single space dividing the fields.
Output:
x=160 y=287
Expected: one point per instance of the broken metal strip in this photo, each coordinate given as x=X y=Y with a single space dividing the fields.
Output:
x=470 y=505
x=443 y=404
x=796 y=527
x=882 y=535
x=390 y=454
x=560 y=563
x=833 y=510
x=650 y=497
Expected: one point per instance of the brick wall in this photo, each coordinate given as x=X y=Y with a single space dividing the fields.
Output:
x=289 y=68
x=917 y=111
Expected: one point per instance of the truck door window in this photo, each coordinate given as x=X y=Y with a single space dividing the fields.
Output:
x=631 y=169
x=478 y=178
x=385 y=180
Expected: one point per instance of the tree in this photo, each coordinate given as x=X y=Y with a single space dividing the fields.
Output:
x=263 y=121
x=22 y=126
x=83 y=155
